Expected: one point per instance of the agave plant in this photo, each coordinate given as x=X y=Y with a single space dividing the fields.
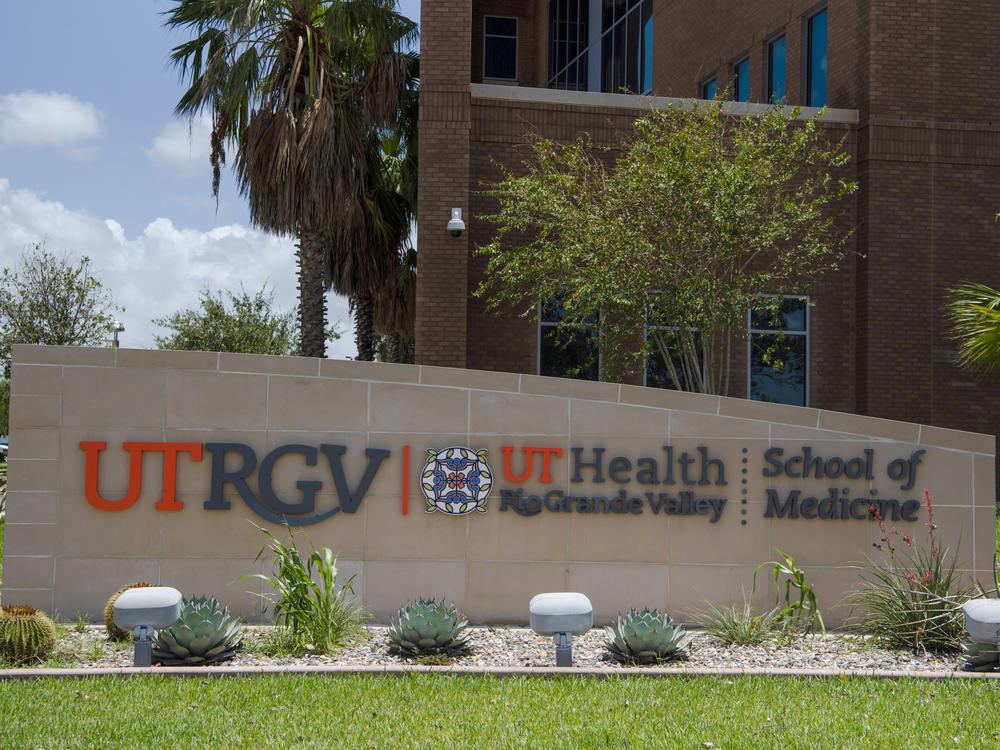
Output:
x=980 y=656
x=647 y=637
x=428 y=627
x=204 y=634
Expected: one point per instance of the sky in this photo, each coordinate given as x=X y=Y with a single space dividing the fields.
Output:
x=94 y=162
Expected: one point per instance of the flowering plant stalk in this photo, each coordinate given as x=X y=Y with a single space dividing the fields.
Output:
x=911 y=599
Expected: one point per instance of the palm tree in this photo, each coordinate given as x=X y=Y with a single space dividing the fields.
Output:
x=299 y=87
x=974 y=312
x=396 y=308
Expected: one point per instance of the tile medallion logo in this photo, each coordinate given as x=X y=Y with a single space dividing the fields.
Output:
x=456 y=481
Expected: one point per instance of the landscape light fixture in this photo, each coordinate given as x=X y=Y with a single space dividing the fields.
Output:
x=143 y=609
x=115 y=327
x=562 y=615
x=456 y=226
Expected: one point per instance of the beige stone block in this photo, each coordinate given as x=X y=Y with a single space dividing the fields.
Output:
x=695 y=464
x=954 y=533
x=613 y=537
x=862 y=425
x=64 y=355
x=112 y=398
x=746 y=409
x=29 y=539
x=218 y=577
x=808 y=434
x=390 y=584
x=268 y=364
x=512 y=414
x=36 y=443
x=691 y=587
x=41 y=599
x=113 y=462
x=216 y=400
x=500 y=592
x=664 y=398
x=386 y=372
x=32 y=474
x=985 y=539
x=159 y=359
x=692 y=425
x=35 y=379
x=607 y=420
x=957 y=439
x=32 y=507
x=84 y=584
x=507 y=536
x=407 y=408
x=946 y=474
x=817 y=541
x=33 y=411
x=695 y=539
x=832 y=587
x=617 y=588
x=479 y=379
x=416 y=535
x=316 y=404
x=984 y=481
x=85 y=531
x=195 y=477
x=569 y=388
x=28 y=572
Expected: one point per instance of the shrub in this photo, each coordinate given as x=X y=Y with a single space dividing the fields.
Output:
x=911 y=599
x=319 y=612
x=739 y=626
x=800 y=614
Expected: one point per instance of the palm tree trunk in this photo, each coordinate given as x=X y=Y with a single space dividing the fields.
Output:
x=394 y=349
x=364 y=326
x=312 y=295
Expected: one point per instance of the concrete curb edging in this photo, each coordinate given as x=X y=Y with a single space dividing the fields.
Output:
x=7 y=675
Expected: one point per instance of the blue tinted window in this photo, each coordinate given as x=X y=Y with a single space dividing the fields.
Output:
x=816 y=61
x=708 y=89
x=779 y=351
x=647 y=55
x=776 y=70
x=741 y=80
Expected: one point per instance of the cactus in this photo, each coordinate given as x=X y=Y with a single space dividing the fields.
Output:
x=115 y=633
x=25 y=633
x=203 y=635
x=426 y=627
x=980 y=656
x=646 y=637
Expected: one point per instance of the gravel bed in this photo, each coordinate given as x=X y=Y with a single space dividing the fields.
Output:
x=521 y=647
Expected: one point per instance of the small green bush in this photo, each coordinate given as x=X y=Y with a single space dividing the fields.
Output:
x=317 y=610
x=739 y=625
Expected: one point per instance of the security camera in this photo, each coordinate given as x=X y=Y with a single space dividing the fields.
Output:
x=456 y=226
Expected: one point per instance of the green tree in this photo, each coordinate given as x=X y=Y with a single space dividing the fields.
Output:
x=974 y=312
x=4 y=407
x=227 y=322
x=49 y=299
x=299 y=86
x=678 y=231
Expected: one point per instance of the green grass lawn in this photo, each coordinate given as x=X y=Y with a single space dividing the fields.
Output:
x=434 y=711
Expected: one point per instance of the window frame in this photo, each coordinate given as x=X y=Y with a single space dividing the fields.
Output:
x=807 y=20
x=517 y=46
x=769 y=66
x=772 y=331
x=705 y=83
x=734 y=69
x=556 y=324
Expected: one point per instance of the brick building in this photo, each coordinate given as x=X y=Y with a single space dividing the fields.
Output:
x=909 y=84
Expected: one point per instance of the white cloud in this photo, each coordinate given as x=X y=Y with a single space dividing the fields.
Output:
x=55 y=120
x=161 y=270
x=183 y=147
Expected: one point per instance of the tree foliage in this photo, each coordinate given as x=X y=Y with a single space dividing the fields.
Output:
x=227 y=322
x=678 y=231
x=974 y=312
x=49 y=299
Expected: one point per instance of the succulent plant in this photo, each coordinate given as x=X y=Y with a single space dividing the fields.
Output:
x=114 y=632
x=428 y=627
x=647 y=637
x=25 y=633
x=980 y=656
x=204 y=634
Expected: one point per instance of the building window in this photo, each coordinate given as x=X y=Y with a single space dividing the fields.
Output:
x=569 y=351
x=658 y=371
x=776 y=70
x=816 y=60
x=500 y=47
x=741 y=80
x=778 y=369
x=709 y=89
x=613 y=57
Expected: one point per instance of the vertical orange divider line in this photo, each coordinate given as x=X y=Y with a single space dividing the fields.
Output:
x=406 y=477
